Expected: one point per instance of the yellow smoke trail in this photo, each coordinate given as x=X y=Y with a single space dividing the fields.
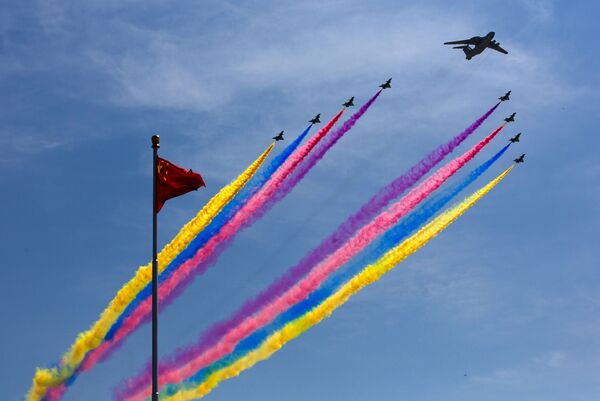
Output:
x=367 y=276
x=92 y=338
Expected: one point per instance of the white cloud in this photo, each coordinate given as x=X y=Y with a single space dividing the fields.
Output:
x=273 y=50
x=535 y=368
x=18 y=145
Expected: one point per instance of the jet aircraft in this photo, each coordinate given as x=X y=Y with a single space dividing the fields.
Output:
x=505 y=97
x=350 y=102
x=515 y=138
x=278 y=137
x=387 y=84
x=479 y=45
x=510 y=118
x=520 y=159
x=316 y=119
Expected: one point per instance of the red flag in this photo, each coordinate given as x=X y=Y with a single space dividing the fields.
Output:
x=174 y=181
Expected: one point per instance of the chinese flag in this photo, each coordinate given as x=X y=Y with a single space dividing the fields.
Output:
x=174 y=181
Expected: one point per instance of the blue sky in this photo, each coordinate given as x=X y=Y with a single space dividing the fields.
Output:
x=508 y=294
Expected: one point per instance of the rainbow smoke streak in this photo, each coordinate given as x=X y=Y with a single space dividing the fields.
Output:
x=90 y=339
x=263 y=344
x=226 y=213
x=205 y=256
x=222 y=218
x=341 y=235
x=140 y=314
x=323 y=270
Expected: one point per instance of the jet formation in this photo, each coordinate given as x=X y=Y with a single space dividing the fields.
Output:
x=520 y=159
x=387 y=84
x=479 y=44
x=349 y=103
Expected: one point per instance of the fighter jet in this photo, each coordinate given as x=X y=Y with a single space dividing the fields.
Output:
x=520 y=159
x=278 y=137
x=350 y=102
x=505 y=97
x=479 y=45
x=387 y=84
x=316 y=119
x=515 y=138
x=510 y=118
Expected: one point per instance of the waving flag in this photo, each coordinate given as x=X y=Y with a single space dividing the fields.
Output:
x=173 y=181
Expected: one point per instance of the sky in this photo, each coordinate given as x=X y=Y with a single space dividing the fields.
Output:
x=507 y=295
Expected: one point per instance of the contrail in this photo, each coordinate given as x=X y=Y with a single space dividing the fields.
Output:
x=325 y=268
x=206 y=255
x=390 y=239
x=331 y=243
x=267 y=202
x=142 y=312
x=216 y=224
x=255 y=183
x=263 y=344
x=90 y=339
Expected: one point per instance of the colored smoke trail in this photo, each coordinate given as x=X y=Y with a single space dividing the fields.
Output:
x=315 y=157
x=257 y=181
x=256 y=207
x=90 y=339
x=338 y=237
x=267 y=343
x=286 y=186
x=390 y=239
x=426 y=211
x=324 y=269
x=191 y=265
x=218 y=222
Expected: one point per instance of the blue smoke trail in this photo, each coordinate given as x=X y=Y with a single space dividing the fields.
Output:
x=214 y=227
x=390 y=239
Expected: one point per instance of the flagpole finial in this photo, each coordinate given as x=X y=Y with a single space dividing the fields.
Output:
x=155 y=141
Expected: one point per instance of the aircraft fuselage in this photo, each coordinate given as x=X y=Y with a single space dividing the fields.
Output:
x=483 y=44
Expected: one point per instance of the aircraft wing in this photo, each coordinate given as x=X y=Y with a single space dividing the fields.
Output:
x=463 y=42
x=497 y=48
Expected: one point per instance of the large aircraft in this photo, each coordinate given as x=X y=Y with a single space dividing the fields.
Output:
x=350 y=102
x=316 y=119
x=510 y=118
x=479 y=45
x=520 y=159
x=387 y=84
x=505 y=97
x=515 y=138
x=278 y=137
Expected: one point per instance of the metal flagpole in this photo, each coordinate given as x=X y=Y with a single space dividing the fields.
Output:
x=155 y=146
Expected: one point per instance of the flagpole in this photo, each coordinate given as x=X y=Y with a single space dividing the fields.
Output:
x=155 y=146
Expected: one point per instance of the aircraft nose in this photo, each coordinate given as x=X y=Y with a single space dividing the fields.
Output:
x=492 y=34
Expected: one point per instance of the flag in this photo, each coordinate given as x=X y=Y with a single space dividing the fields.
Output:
x=174 y=181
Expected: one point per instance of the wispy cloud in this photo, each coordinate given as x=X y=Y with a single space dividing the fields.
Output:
x=200 y=72
x=18 y=146
x=529 y=370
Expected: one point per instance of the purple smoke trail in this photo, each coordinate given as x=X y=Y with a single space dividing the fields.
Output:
x=344 y=232
x=286 y=186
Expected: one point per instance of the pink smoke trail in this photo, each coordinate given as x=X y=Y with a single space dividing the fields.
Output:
x=240 y=220
x=344 y=232
x=303 y=288
x=281 y=192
